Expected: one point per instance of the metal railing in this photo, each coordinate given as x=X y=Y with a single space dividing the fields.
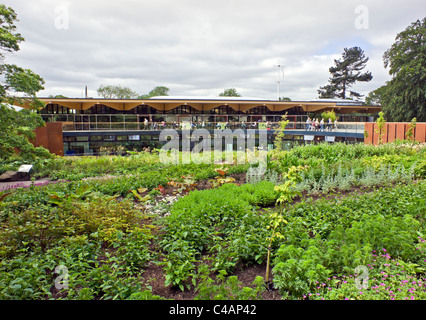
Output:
x=73 y=122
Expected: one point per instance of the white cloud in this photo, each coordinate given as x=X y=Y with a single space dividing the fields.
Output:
x=200 y=47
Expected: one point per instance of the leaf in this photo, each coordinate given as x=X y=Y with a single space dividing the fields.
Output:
x=138 y=196
x=5 y=195
x=142 y=190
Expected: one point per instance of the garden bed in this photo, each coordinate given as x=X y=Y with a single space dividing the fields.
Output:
x=186 y=232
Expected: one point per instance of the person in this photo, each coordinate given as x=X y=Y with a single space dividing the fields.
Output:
x=145 y=123
x=322 y=124
x=329 y=124
x=316 y=124
x=243 y=124
x=335 y=123
x=308 y=122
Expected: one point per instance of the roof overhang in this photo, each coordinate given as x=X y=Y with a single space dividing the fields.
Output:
x=240 y=104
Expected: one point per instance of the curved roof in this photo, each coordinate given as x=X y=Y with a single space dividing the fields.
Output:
x=167 y=103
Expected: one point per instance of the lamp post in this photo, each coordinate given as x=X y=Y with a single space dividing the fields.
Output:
x=280 y=68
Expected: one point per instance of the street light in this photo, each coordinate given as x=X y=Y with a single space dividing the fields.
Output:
x=280 y=68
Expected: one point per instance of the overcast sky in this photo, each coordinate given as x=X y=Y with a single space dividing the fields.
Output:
x=201 y=47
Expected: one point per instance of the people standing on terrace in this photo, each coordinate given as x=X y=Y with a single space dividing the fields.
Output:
x=308 y=124
x=329 y=124
x=317 y=124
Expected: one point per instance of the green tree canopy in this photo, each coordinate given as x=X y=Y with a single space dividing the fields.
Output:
x=345 y=73
x=156 y=92
x=404 y=96
x=116 y=92
x=17 y=127
x=15 y=79
x=231 y=92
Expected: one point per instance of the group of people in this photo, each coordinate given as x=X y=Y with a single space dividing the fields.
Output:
x=320 y=125
x=314 y=124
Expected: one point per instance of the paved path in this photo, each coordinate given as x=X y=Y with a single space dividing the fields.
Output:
x=18 y=184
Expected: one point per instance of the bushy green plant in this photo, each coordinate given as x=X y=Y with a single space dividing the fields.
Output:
x=220 y=221
x=226 y=288
x=385 y=278
x=296 y=270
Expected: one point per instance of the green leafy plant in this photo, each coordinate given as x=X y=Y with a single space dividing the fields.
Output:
x=226 y=288
x=380 y=126
x=279 y=135
x=221 y=178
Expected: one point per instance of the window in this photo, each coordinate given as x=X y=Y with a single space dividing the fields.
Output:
x=109 y=138
x=82 y=138
x=134 y=137
x=96 y=138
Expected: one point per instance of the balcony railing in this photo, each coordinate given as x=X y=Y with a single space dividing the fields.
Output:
x=132 y=123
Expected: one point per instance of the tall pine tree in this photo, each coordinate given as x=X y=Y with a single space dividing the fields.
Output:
x=345 y=73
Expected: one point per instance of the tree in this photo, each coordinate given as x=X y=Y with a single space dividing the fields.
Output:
x=58 y=96
x=374 y=98
x=345 y=73
x=381 y=126
x=17 y=127
x=404 y=96
x=15 y=79
x=116 y=92
x=156 y=92
x=232 y=92
x=284 y=99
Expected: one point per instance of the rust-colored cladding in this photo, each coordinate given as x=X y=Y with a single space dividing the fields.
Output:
x=394 y=130
x=50 y=137
x=400 y=131
x=370 y=132
x=391 y=133
x=420 y=132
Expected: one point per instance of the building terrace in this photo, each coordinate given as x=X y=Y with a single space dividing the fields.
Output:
x=91 y=123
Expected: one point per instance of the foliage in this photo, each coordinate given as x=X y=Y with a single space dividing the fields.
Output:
x=14 y=78
x=329 y=115
x=386 y=278
x=231 y=92
x=226 y=288
x=221 y=178
x=105 y=235
x=157 y=91
x=116 y=92
x=380 y=126
x=404 y=96
x=279 y=135
x=286 y=190
x=410 y=132
x=220 y=221
x=17 y=127
x=299 y=268
x=345 y=73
